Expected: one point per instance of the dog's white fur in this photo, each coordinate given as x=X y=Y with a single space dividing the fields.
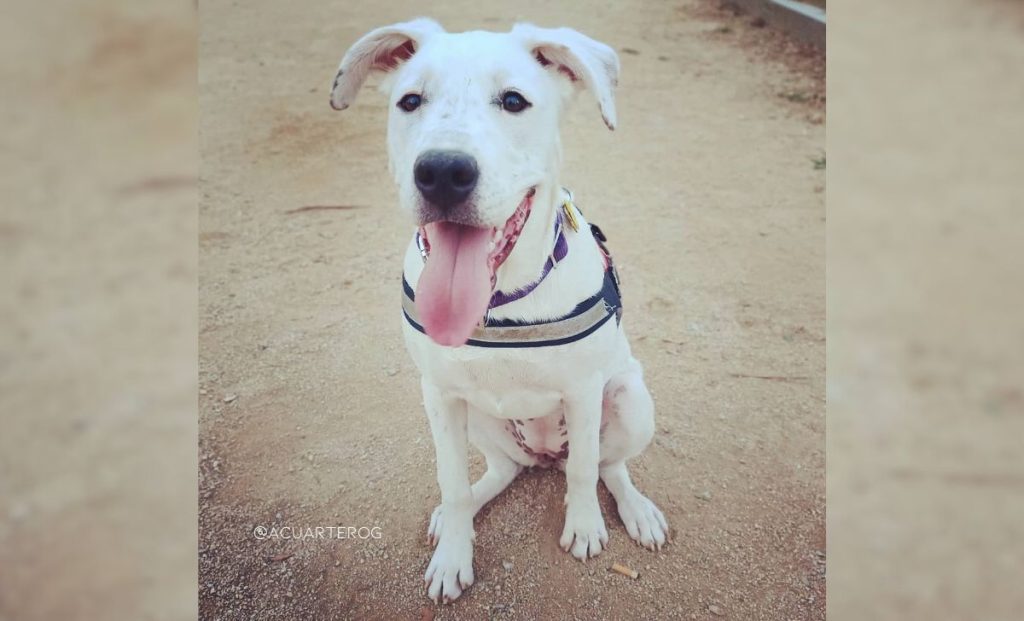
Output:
x=469 y=392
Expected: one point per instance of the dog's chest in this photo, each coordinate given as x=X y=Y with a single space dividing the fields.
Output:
x=510 y=402
x=507 y=389
x=516 y=383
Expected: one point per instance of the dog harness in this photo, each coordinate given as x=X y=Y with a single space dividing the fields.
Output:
x=582 y=321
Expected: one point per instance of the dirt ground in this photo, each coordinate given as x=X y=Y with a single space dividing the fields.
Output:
x=711 y=193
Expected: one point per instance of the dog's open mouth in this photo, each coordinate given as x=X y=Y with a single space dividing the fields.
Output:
x=455 y=288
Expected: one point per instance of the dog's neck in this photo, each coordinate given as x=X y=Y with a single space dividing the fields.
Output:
x=526 y=261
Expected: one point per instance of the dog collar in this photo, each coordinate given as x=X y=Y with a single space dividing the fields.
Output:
x=582 y=321
x=558 y=252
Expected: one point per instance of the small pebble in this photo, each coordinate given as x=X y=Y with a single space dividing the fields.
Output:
x=230 y=398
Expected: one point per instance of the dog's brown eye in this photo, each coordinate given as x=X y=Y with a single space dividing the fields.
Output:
x=410 y=102
x=512 y=101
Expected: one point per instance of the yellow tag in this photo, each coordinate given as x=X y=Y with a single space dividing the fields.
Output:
x=570 y=215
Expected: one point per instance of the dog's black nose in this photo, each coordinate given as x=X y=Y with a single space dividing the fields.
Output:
x=445 y=178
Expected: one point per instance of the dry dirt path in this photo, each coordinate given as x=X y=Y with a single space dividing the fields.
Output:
x=309 y=408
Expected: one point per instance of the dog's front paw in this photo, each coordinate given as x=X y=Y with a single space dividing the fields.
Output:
x=584 y=535
x=643 y=520
x=451 y=569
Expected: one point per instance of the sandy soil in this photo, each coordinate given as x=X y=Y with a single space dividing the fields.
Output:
x=712 y=195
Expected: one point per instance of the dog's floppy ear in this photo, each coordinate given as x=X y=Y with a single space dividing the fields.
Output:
x=584 y=61
x=382 y=49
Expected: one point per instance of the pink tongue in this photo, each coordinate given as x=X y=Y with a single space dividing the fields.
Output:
x=455 y=287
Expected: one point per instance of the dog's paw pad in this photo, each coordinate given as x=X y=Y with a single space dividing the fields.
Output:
x=450 y=572
x=644 y=522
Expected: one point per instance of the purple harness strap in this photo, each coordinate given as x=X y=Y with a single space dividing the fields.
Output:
x=500 y=298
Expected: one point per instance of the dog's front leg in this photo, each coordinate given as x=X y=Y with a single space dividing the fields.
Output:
x=584 y=534
x=451 y=569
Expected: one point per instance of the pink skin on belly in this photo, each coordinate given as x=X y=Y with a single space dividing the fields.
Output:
x=545 y=443
x=532 y=438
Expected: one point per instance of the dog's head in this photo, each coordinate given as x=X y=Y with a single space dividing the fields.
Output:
x=472 y=131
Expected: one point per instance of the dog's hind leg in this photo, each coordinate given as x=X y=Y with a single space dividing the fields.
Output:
x=627 y=428
x=501 y=471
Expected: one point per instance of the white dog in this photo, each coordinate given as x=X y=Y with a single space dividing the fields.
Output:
x=511 y=306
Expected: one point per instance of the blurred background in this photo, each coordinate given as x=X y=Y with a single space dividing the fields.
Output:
x=98 y=356
x=98 y=371
x=925 y=332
